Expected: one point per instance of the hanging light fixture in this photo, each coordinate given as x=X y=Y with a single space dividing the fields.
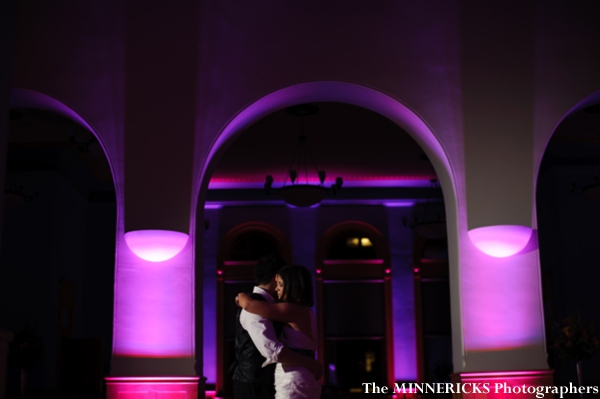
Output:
x=298 y=191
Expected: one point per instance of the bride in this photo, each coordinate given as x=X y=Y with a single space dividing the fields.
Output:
x=295 y=294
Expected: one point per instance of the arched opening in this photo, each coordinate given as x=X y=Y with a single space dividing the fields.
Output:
x=235 y=192
x=239 y=251
x=568 y=233
x=58 y=249
x=432 y=309
x=354 y=308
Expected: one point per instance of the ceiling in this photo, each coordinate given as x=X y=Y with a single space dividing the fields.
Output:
x=42 y=141
x=348 y=141
x=378 y=161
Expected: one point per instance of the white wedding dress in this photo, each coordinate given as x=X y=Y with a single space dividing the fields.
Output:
x=295 y=382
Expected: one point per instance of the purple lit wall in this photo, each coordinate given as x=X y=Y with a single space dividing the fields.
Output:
x=154 y=303
x=502 y=309
x=303 y=230
x=403 y=302
x=209 y=294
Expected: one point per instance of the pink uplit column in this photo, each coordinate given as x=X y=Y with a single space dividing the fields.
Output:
x=154 y=337
x=153 y=348
x=154 y=306
x=502 y=312
x=502 y=320
x=501 y=306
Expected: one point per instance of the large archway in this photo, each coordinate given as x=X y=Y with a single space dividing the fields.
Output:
x=567 y=220
x=355 y=95
x=59 y=247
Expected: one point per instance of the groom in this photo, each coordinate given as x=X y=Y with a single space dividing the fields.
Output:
x=256 y=342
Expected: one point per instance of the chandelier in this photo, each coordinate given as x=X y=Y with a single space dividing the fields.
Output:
x=297 y=189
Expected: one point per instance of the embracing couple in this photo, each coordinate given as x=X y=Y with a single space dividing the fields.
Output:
x=275 y=339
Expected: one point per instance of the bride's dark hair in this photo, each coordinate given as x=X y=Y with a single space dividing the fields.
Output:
x=297 y=285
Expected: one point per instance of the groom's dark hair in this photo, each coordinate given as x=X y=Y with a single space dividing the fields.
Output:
x=297 y=285
x=267 y=267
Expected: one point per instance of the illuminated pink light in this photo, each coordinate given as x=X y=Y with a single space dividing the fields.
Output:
x=399 y=204
x=303 y=207
x=158 y=379
x=502 y=374
x=502 y=383
x=318 y=271
x=219 y=272
x=154 y=306
x=388 y=271
x=501 y=241
x=500 y=308
x=150 y=387
x=353 y=261
x=416 y=270
x=316 y=180
x=357 y=181
x=156 y=245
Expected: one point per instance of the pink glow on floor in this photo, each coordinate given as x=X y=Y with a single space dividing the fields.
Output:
x=152 y=387
x=507 y=384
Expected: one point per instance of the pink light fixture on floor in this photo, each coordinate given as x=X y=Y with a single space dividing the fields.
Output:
x=156 y=245
x=501 y=241
x=175 y=387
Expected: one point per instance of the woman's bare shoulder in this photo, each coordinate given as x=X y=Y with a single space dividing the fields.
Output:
x=290 y=312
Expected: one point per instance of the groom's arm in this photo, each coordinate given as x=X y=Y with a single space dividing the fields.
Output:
x=263 y=336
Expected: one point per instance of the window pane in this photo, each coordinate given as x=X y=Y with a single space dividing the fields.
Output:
x=352 y=245
x=354 y=309
x=349 y=363
x=436 y=307
x=253 y=245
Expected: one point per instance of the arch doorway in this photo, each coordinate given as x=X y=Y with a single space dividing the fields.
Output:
x=58 y=246
x=354 y=308
x=568 y=222
x=239 y=251
x=236 y=183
